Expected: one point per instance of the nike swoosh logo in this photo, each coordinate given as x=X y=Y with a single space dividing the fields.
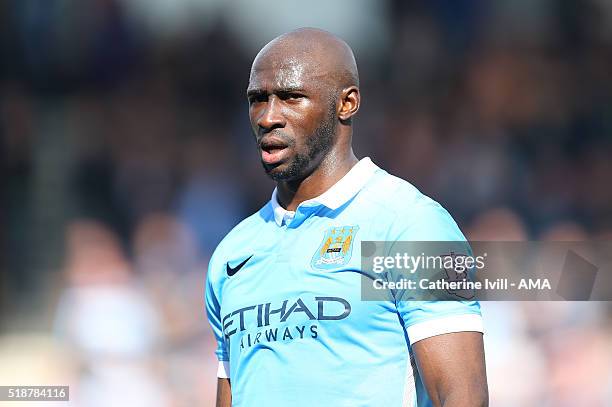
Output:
x=233 y=270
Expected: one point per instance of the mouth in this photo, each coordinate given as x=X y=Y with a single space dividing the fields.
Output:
x=273 y=150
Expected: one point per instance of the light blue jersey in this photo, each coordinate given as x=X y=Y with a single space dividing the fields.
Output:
x=283 y=298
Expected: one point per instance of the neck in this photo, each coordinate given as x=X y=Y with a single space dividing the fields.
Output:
x=331 y=169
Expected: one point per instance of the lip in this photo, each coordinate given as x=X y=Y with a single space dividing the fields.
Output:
x=273 y=150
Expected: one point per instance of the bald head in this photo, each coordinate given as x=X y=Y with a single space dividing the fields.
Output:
x=313 y=53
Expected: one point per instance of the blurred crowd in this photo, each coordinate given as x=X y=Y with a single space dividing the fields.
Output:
x=126 y=155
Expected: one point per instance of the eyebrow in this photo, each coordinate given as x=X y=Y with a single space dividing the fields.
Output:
x=260 y=91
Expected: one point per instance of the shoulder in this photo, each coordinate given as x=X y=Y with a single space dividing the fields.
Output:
x=411 y=214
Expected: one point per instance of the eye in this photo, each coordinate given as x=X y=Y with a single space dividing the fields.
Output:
x=257 y=98
x=290 y=96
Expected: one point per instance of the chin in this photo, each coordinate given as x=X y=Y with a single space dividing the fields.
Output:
x=279 y=175
x=275 y=171
x=282 y=172
x=293 y=169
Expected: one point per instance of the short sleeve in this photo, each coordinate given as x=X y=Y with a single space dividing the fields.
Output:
x=424 y=319
x=213 y=310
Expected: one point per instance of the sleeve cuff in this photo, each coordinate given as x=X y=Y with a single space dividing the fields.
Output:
x=445 y=325
x=223 y=371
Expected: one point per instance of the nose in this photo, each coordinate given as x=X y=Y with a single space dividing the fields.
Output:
x=271 y=116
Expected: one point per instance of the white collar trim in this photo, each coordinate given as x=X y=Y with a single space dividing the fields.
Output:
x=336 y=196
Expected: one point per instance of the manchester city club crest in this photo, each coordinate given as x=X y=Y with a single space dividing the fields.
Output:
x=336 y=248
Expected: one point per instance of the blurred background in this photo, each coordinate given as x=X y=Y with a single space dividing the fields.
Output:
x=126 y=155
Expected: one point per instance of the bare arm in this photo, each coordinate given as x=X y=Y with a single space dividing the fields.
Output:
x=452 y=367
x=224 y=393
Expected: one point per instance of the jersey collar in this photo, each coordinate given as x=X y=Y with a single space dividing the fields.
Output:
x=336 y=196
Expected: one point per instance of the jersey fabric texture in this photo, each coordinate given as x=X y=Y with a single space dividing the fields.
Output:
x=283 y=296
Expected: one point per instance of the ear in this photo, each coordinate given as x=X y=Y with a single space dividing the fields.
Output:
x=350 y=100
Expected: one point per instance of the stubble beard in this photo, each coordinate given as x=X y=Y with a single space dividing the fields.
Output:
x=317 y=146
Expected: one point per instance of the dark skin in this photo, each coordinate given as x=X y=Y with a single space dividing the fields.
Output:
x=303 y=92
x=297 y=82
x=452 y=367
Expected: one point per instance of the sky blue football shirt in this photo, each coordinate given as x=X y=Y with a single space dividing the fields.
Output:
x=289 y=321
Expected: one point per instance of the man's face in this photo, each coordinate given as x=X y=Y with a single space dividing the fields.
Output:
x=293 y=116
